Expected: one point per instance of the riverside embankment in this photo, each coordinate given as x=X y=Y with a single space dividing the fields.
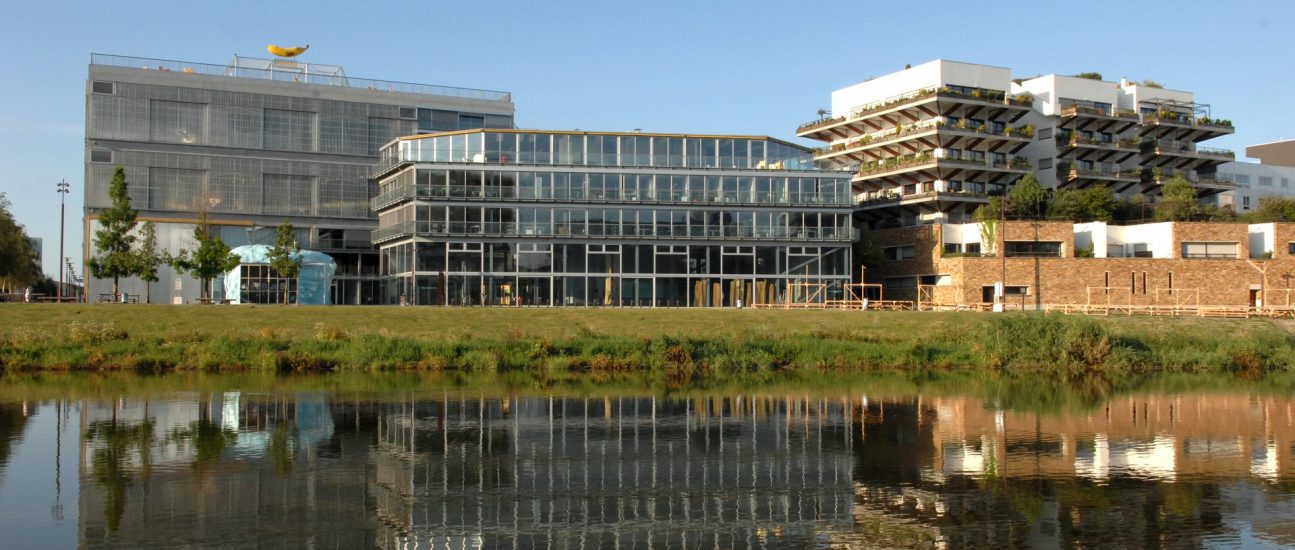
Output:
x=674 y=346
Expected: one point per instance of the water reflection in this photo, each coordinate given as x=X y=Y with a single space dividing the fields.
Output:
x=461 y=471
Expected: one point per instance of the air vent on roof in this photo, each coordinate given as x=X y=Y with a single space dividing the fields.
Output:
x=101 y=87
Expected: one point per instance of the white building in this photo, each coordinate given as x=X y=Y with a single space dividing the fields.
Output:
x=935 y=140
x=1270 y=177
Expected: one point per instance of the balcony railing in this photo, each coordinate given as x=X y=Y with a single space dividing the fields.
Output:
x=1025 y=131
x=607 y=230
x=617 y=196
x=877 y=197
x=899 y=163
x=983 y=94
x=1074 y=173
x=1186 y=119
x=1184 y=147
x=1077 y=140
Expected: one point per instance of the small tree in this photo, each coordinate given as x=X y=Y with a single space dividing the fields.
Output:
x=987 y=216
x=1178 y=201
x=148 y=257
x=210 y=260
x=1027 y=198
x=115 y=239
x=285 y=258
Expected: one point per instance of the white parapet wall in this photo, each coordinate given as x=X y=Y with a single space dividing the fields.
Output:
x=932 y=74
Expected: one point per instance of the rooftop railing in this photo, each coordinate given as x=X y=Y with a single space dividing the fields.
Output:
x=293 y=72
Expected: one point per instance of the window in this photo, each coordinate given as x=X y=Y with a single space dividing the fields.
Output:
x=896 y=253
x=261 y=284
x=1265 y=180
x=100 y=155
x=467 y=122
x=1242 y=178
x=1045 y=133
x=101 y=87
x=1034 y=249
x=900 y=282
x=1206 y=250
x=1245 y=203
x=1290 y=248
x=408 y=112
x=1045 y=163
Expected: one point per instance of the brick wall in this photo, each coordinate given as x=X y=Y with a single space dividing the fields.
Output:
x=1066 y=280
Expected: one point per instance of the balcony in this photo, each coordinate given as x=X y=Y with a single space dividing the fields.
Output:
x=1070 y=175
x=981 y=95
x=1183 y=126
x=888 y=198
x=1018 y=133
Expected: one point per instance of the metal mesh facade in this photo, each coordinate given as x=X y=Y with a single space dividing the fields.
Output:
x=251 y=153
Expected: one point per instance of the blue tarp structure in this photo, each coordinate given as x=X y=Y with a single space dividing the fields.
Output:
x=314 y=283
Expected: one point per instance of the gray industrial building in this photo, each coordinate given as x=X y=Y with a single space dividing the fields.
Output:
x=254 y=143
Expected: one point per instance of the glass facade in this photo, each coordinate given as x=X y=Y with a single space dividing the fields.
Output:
x=251 y=148
x=597 y=221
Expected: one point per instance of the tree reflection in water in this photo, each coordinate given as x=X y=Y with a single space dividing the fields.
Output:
x=460 y=470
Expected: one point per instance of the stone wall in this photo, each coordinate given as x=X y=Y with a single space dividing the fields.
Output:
x=1070 y=280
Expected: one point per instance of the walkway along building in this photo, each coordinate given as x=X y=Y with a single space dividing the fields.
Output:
x=252 y=144
x=537 y=218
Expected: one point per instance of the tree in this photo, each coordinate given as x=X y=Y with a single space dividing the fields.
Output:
x=210 y=260
x=1027 y=198
x=18 y=266
x=1086 y=205
x=148 y=257
x=1177 y=201
x=114 y=239
x=285 y=258
x=1272 y=209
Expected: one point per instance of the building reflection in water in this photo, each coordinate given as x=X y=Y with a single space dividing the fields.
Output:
x=458 y=471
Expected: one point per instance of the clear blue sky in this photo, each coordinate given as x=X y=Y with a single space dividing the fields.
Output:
x=693 y=66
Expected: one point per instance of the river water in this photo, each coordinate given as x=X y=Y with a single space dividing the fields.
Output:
x=452 y=469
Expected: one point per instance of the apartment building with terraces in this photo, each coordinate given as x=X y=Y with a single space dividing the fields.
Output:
x=930 y=142
x=933 y=142
x=1130 y=137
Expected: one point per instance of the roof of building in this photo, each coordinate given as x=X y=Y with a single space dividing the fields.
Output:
x=286 y=70
x=1280 y=153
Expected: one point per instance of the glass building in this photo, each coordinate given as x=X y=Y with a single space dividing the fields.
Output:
x=251 y=144
x=540 y=218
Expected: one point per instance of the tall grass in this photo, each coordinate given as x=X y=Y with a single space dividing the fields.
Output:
x=669 y=348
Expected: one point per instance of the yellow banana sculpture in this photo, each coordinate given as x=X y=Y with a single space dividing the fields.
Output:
x=286 y=52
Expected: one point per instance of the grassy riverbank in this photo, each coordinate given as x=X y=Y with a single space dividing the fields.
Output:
x=672 y=347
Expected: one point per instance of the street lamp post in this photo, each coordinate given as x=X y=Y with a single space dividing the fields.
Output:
x=63 y=190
